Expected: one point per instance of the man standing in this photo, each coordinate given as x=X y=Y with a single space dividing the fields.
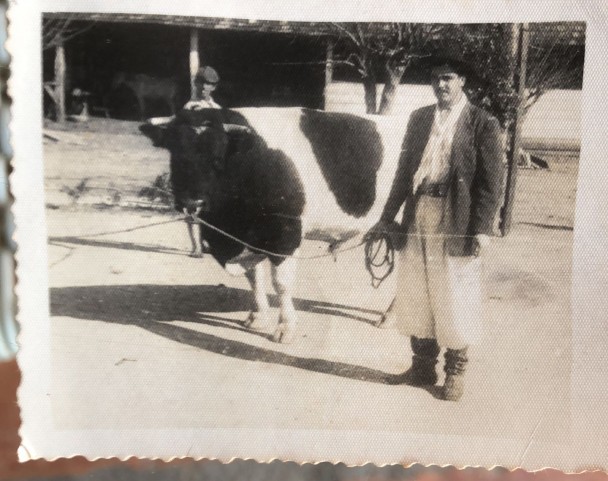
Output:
x=449 y=177
x=205 y=81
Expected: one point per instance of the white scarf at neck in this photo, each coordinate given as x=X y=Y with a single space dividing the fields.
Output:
x=435 y=163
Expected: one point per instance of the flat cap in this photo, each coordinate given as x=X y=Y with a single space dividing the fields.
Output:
x=207 y=75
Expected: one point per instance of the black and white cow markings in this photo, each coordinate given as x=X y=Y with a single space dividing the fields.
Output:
x=291 y=172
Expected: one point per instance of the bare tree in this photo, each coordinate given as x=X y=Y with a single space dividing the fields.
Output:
x=487 y=48
x=388 y=49
x=57 y=30
x=552 y=63
x=385 y=51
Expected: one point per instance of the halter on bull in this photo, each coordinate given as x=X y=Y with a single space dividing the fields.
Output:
x=228 y=179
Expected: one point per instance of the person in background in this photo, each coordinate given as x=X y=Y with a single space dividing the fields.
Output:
x=205 y=82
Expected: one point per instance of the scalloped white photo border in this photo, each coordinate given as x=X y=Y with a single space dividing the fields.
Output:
x=586 y=449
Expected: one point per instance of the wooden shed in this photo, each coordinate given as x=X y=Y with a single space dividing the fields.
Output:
x=261 y=62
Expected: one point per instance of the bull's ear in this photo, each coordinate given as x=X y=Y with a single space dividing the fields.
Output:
x=154 y=133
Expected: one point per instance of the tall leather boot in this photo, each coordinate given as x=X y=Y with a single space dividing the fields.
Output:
x=455 y=365
x=422 y=372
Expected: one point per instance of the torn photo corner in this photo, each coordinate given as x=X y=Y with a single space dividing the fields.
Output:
x=283 y=230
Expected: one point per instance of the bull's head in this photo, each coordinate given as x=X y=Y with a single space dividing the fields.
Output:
x=198 y=144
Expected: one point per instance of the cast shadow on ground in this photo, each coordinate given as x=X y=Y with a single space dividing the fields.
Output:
x=152 y=307
x=547 y=226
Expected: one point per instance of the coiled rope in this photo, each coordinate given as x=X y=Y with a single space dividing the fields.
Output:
x=379 y=257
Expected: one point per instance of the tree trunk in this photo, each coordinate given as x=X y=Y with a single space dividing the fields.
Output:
x=520 y=47
x=368 y=75
x=60 y=80
x=369 y=86
x=389 y=92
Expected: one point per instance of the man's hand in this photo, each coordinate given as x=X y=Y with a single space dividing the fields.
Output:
x=480 y=242
x=380 y=227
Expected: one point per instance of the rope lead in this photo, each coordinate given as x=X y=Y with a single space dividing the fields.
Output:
x=379 y=249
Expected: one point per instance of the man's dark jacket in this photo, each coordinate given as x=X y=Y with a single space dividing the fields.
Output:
x=475 y=181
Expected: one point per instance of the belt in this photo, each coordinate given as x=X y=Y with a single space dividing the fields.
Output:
x=433 y=190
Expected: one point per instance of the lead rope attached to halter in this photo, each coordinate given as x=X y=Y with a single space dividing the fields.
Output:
x=379 y=251
x=379 y=257
x=195 y=219
x=379 y=247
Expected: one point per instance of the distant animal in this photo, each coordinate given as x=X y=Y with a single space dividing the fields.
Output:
x=530 y=161
x=145 y=87
x=296 y=172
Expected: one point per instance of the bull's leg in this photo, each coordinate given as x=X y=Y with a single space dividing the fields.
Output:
x=259 y=318
x=196 y=242
x=283 y=277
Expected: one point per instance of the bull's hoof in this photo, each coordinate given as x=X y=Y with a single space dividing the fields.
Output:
x=388 y=320
x=284 y=334
x=196 y=254
x=257 y=321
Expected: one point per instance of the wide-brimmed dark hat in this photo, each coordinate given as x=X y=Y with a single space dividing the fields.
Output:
x=456 y=63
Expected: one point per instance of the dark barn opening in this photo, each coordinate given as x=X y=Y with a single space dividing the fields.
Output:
x=95 y=56
x=256 y=68
x=266 y=69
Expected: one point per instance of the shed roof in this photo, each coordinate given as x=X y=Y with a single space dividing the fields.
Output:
x=211 y=23
x=565 y=33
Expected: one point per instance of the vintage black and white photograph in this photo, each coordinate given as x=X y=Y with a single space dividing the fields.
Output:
x=300 y=226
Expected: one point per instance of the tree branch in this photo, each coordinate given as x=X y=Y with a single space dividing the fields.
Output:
x=347 y=32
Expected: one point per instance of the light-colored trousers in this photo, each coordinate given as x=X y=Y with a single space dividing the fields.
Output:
x=438 y=296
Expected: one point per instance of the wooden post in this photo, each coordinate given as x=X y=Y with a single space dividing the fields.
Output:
x=195 y=61
x=521 y=42
x=329 y=66
x=60 y=80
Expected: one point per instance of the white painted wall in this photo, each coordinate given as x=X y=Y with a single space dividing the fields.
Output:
x=554 y=122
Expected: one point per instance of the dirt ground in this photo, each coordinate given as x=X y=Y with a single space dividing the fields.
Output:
x=145 y=336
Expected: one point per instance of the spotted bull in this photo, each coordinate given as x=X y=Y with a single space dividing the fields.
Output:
x=291 y=173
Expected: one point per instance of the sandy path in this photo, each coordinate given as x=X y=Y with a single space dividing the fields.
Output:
x=144 y=336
